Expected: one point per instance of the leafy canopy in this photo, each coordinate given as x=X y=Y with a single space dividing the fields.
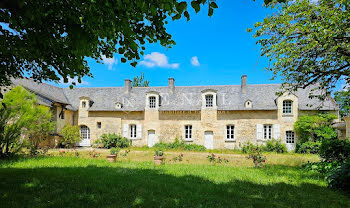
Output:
x=49 y=39
x=140 y=81
x=343 y=99
x=307 y=42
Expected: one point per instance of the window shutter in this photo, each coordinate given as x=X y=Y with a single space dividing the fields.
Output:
x=276 y=131
x=125 y=130
x=139 y=131
x=259 y=132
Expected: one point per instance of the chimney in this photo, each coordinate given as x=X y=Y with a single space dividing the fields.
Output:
x=171 y=85
x=127 y=86
x=244 y=83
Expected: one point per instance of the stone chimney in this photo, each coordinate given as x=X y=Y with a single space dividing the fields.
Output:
x=244 y=83
x=127 y=86
x=171 y=85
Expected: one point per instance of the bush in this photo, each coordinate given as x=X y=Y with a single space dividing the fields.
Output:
x=249 y=147
x=70 y=135
x=194 y=147
x=114 y=151
x=339 y=177
x=258 y=158
x=307 y=147
x=275 y=146
x=335 y=150
x=114 y=140
x=321 y=167
x=177 y=145
x=158 y=153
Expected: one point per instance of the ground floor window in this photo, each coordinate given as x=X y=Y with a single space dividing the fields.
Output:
x=132 y=131
x=267 y=131
x=290 y=137
x=230 y=132
x=188 y=132
x=85 y=132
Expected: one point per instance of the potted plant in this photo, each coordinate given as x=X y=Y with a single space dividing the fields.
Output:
x=158 y=157
x=113 y=156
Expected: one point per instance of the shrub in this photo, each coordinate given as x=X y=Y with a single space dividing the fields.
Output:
x=114 y=151
x=213 y=159
x=98 y=144
x=158 y=153
x=249 y=147
x=307 y=147
x=339 y=177
x=114 y=140
x=194 y=147
x=275 y=146
x=70 y=135
x=178 y=158
x=321 y=167
x=257 y=157
x=335 y=150
x=177 y=145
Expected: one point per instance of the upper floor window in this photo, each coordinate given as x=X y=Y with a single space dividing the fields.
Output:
x=99 y=125
x=290 y=137
x=188 y=132
x=287 y=106
x=248 y=104
x=152 y=102
x=268 y=131
x=230 y=132
x=209 y=100
x=83 y=104
x=132 y=131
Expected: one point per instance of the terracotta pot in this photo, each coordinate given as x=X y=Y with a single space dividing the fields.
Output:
x=158 y=160
x=111 y=158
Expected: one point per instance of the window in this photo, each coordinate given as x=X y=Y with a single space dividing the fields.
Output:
x=230 y=132
x=61 y=115
x=85 y=132
x=83 y=104
x=99 y=125
x=290 y=137
x=287 y=106
x=267 y=131
x=209 y=100
x=188 y=132
x=152 y=102
x=132 y=131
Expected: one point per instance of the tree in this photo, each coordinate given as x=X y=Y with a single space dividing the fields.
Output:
x=343 y=99
x=54 y=39
x=71 y=135
x=307 y=43
x=20 y=115
x=140 y=81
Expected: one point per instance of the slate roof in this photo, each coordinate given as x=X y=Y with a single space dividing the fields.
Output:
x=229 y=97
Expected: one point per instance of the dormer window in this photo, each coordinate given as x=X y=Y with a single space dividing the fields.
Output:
x=209 y=101
x=287 y=107
x=248 y=104
x=118 y=105
x=152 y=102
x=83 y=104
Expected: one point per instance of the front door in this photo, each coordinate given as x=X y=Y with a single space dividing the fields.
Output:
x=208 y=140
x=85 y=135
x=151 y=138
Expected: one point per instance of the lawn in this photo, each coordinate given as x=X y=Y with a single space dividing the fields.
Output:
x=134 y=181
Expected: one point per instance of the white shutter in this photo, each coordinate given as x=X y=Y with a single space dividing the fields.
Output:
x=125 y=130
x=276 y=131
x=139 y=131
x=259 y=132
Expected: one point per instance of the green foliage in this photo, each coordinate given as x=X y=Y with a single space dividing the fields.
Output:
x=158 y=152
x=114 y=140
x=307 y=43
x=308 y=147
x=321 y=167
x=216 y=159
x=140 y=81
x=275 y=146
x=315 y=127
x=180 y=145
x=258 y=158
x=178 y=158
x=335 y=150
x=114 y=151
x=75 y=31
x=20 y=115
x=249 y=147
x=343 y=99
x=339 y=177
x=71 y=135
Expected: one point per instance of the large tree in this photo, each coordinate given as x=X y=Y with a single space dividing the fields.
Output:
x=343 y=99
x=307 y=42
x=50 y=39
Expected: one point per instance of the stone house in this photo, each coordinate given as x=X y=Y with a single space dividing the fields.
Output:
x=213 y=116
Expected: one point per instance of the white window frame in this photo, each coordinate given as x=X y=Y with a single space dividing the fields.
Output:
x=287 y=107
x=230 y=132
x=152 y=101
x=209 y=101
x=188 y=132
x=83 y=104
x=267 y=132
x=290 y=137
x=133 y=131
x=84 y=132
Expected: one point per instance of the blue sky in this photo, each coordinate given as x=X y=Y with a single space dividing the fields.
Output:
x=223 y=48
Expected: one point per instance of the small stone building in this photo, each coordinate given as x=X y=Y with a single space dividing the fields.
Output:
x=214 y=116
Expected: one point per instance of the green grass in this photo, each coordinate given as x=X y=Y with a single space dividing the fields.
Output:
x=84 y=182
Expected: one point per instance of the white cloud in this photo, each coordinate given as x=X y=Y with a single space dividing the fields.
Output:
x=194 y=61
x=70 y=81
x=159 y=60
x=110 y=62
